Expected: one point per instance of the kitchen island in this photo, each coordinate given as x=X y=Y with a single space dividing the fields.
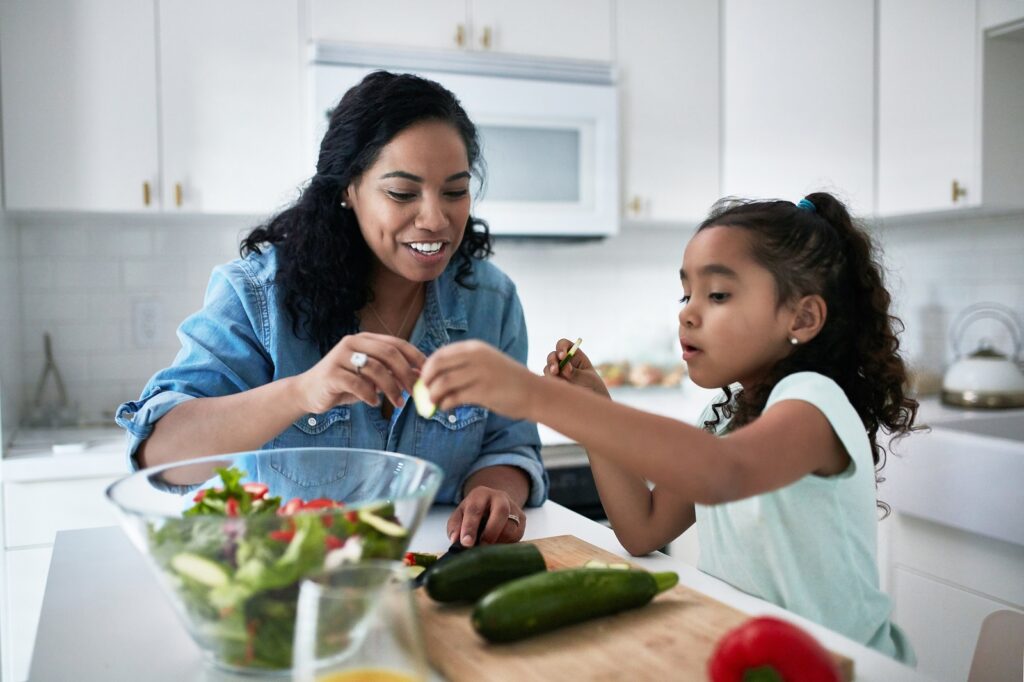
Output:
x=105 y=618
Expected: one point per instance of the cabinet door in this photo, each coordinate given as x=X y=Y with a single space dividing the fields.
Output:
x=799 y=99
x=25 y=585
x=231 y=105
x=405 y=23
x=579 y=29
x=671 y=135
x=79 y=104
x=928 y=97
x=941 y=621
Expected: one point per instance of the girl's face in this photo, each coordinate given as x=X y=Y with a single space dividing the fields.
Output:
x=730 y=327
x=412 y=204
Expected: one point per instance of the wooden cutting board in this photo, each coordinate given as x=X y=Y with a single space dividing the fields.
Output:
x=670 y=638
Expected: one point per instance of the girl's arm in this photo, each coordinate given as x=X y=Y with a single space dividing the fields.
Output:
x=789 y=441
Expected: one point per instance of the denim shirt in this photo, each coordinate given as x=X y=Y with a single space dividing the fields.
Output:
x=243 y=338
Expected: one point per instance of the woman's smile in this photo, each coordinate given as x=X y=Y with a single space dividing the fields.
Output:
x=428 y=253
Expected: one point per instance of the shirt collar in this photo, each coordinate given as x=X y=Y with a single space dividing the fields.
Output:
x=444 y=310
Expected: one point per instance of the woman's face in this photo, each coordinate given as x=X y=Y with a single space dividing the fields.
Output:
x=412 y=204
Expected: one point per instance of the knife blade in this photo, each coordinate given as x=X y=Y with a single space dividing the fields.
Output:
x=454 y=550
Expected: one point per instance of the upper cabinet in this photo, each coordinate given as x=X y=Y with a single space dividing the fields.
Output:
x=116 y=106
x=79 y=105
x=928 y=90
x=798 y=97
x=950 y=109
x=231 y=105
x=668 y=63
x=998 y=13
x=578 y=29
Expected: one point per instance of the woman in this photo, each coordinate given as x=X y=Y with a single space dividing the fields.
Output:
x=315 y=336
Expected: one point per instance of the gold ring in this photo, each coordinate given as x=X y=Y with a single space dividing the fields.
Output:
x=514 y=518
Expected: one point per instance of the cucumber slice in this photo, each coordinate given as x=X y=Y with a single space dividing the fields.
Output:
x=620 y=565
x=414 y=571
x=199 y=569
x=594 y=563
x=421 y=396
x=386 y=527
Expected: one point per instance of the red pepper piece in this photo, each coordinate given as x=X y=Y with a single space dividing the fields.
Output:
x=320 y=503
x=766 y=648
x=409 y=559
x=290 y=507
x=332 y=542
x=231 y=507
x=256 y=490
x=352 y=517
x=282 y=535
x=200 y=495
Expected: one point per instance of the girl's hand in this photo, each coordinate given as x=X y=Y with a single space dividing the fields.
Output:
x=390 y=368
x=577 y=371
x=486 y=513
x=473 y=372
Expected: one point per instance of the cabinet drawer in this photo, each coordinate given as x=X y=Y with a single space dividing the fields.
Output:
x=34 y=512
x=26 y=582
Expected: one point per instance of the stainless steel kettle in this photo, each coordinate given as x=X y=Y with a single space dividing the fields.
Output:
x=985 y=378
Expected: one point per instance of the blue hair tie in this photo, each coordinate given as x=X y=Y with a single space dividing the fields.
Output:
x=806 y=206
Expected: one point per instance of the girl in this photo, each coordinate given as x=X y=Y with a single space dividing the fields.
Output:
x=784 y=307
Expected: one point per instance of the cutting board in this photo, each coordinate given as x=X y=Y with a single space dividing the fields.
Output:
x=670 y=638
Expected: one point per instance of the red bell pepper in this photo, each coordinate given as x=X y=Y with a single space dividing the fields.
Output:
x=231 y=507
x=257 y=491
x=769 y=649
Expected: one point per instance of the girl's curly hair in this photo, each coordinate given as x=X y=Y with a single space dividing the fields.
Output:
x=324 y=264
x=822 y=251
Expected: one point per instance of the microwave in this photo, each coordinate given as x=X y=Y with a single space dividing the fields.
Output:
x=548 y=131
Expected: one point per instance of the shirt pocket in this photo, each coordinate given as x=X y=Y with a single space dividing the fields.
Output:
x=331 y=429
x=452 y=439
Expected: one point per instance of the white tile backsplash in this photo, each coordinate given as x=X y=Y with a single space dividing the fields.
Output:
x=80 y=278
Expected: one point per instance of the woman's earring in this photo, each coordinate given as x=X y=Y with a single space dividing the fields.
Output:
x=793 y=340
x=343 y=204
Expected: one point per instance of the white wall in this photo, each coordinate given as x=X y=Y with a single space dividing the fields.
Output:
x=10 y=360
x=81 y=278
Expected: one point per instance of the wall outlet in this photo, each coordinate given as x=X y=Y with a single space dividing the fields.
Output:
x=145 y=323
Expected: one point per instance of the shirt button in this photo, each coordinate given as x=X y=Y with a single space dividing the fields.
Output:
x=452 y=419
x=311 y=421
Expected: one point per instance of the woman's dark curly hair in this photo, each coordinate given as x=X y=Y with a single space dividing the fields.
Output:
x=324 y=264
x=822 y=251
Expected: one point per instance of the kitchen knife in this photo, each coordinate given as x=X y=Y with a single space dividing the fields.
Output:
x=454 y=550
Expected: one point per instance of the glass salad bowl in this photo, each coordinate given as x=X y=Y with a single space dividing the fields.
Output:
x=231 y=537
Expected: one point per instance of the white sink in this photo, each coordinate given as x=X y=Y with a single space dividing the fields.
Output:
x=967 y=473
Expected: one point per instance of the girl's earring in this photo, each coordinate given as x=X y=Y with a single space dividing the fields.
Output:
x=793 y=340
x=343 y=204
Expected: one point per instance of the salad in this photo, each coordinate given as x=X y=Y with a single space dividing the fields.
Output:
x=238 y=555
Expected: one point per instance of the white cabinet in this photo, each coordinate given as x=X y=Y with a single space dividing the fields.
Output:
x=950 y=131
x=997 y=13
x=667 y=57
x=579 y=29
x=798 y=86
x=944 y=582
x=79 y=105
x=230 y=105
x=928 y=94
x=33 y=512
x=115 y=106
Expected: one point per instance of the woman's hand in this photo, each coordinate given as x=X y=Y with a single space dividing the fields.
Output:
x=578 y=370
x=473 y=372
x=390 y=368
x=489 y=514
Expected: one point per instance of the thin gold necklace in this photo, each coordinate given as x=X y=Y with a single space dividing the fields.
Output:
x=405 y=319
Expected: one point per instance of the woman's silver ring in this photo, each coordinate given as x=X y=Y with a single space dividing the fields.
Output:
x=514 y=518
x=358 y=361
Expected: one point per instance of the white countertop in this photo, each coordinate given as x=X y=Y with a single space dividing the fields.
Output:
x=104 y=616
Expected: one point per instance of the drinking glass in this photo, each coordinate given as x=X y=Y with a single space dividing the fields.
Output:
x=358 y=623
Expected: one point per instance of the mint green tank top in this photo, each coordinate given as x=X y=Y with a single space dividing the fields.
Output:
x=810 y=546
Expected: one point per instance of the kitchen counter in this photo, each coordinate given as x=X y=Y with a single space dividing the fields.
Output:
x=105 y=618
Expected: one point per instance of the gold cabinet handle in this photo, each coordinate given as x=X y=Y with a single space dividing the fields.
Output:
x=177 y=193
x=485 y=39
x=634 y=205
x=959 y=191
x=460 y=35
x=147 y=195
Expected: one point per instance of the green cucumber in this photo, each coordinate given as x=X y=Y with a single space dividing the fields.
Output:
x=538 y=603
x=200 y=569
x=474 y=572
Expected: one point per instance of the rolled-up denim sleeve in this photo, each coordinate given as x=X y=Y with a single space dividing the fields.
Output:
x=222 y=353
x=512 y=442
